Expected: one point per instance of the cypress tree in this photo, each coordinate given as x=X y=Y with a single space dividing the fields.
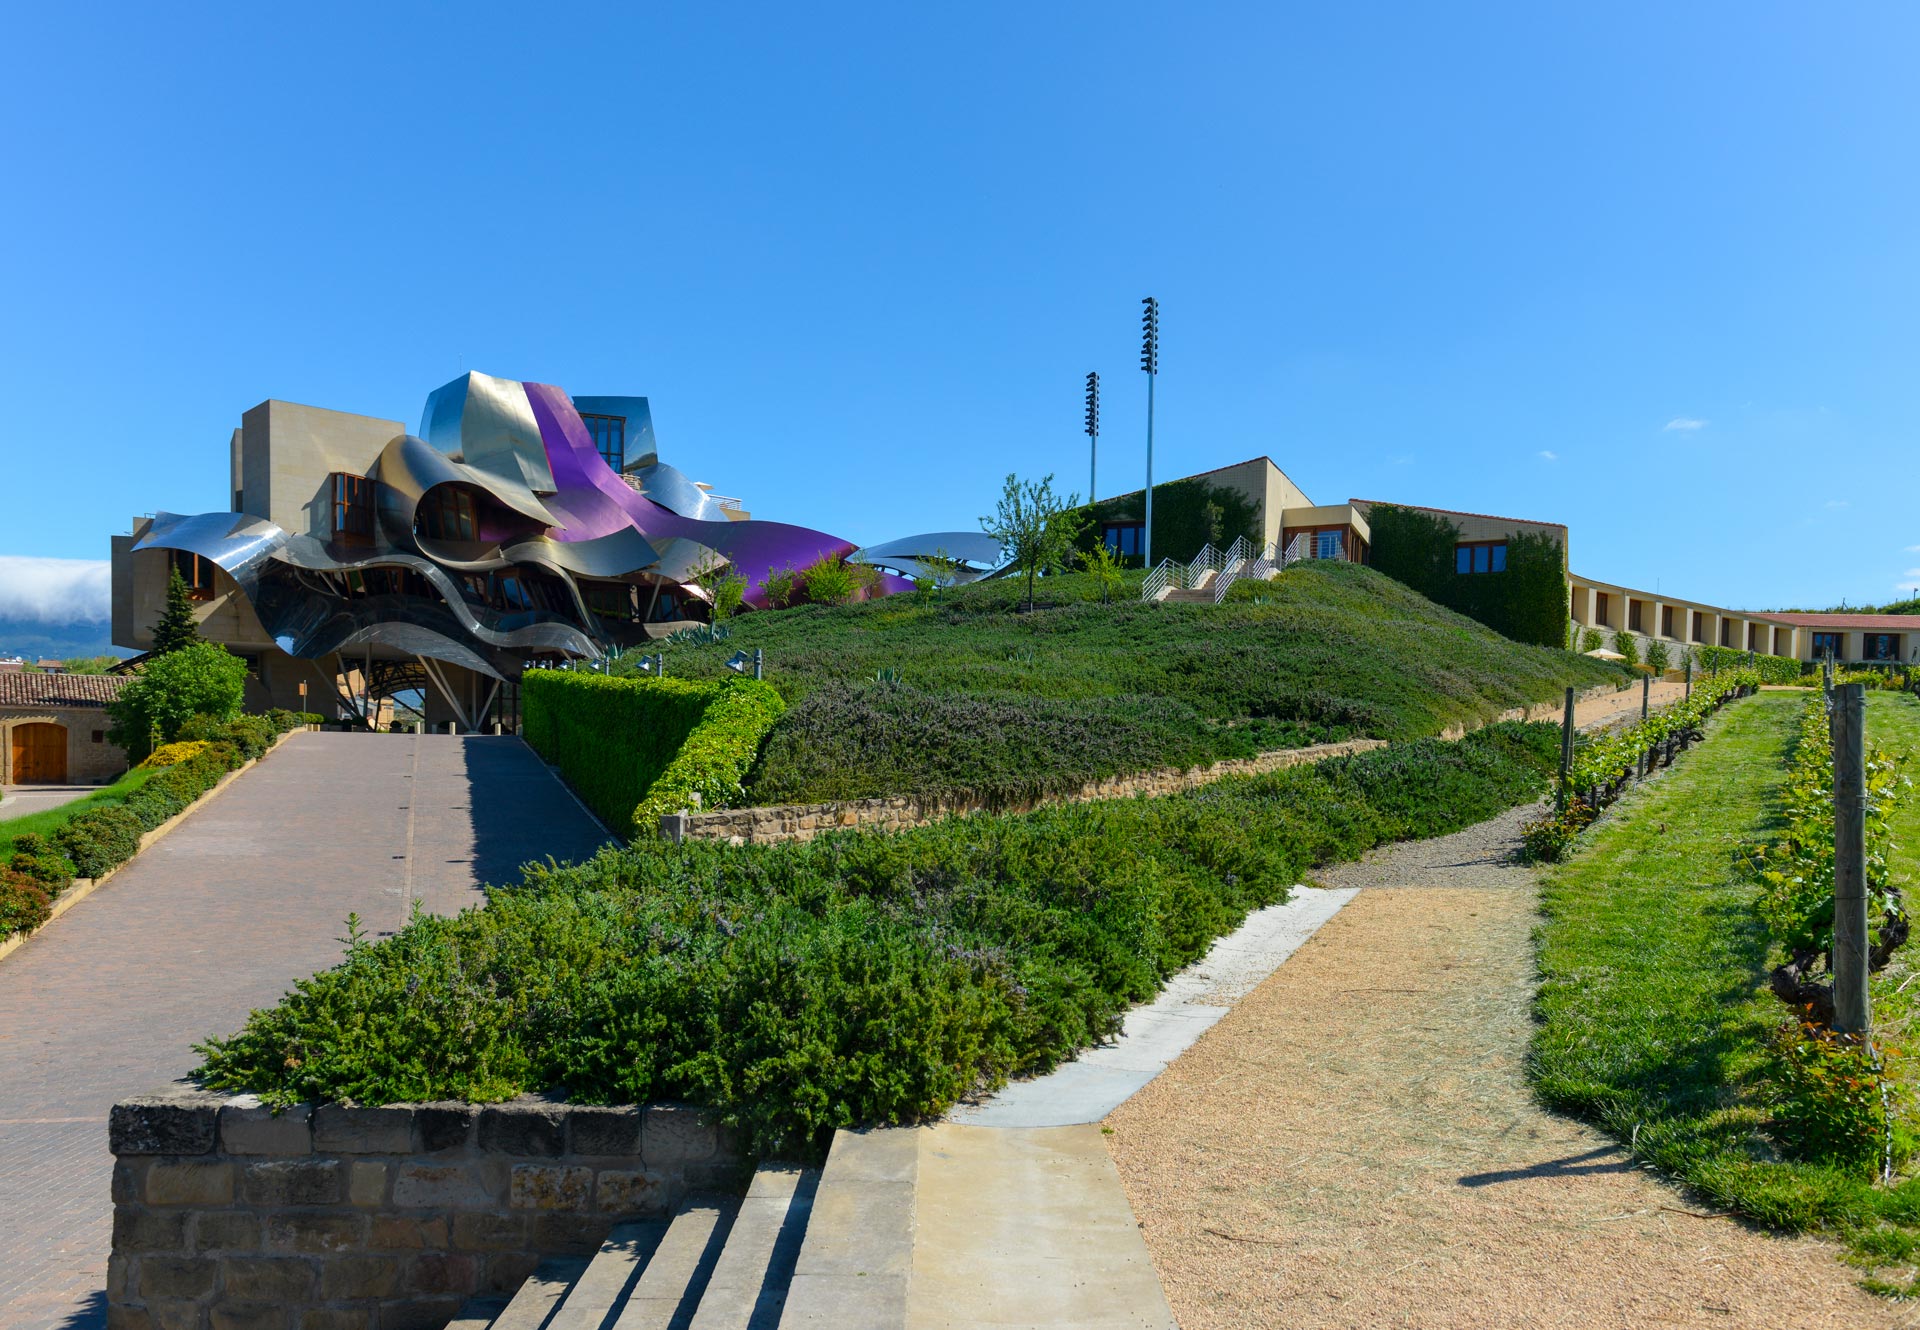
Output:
x=176 y=628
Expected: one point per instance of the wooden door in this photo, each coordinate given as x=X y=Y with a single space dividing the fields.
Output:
x=40 y=754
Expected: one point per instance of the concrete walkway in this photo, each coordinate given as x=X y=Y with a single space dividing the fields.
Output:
x=250 y=893
x=20 y=800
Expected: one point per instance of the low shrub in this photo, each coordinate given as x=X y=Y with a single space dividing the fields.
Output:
x=715 y=756
x=283 y=720
x=35 y=856
x=100 y=840
x=24 y=903
x=168 y=754
x=252 y=735
x=1830 y=1099
x=856 y=979
x=1770 y=669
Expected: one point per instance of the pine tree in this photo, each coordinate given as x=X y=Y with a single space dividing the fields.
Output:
x=176 y=628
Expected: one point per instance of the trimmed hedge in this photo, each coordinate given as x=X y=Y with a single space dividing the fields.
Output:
x=1771 y=669
x=98 y=842
x=856 y=979
x=635 y=748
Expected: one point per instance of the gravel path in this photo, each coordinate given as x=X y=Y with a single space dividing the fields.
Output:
x=1355 y=1144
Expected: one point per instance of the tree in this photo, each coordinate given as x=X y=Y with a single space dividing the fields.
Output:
x=1036 y=528
x=779 y=587
x=1657 y=656
x=831 y=581
x=199 y=679
x=1104 y=566
x=1624 y=643
x=176 y=628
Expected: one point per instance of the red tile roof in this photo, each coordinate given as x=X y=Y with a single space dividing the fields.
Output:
x=26 y=689
x=1879 y=623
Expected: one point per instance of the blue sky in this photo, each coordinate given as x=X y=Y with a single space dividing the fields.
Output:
x=1649 y=270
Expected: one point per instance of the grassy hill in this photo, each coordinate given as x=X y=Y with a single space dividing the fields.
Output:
x=979 y=697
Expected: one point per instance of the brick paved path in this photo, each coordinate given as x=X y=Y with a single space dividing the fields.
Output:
x=248 y=894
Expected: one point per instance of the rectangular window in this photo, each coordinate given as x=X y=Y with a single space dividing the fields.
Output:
x=197 y=572
x=1699 y=626
x=1480 y=556
x=1826 y=644
x=1125 y=539
x=1329 y=545
x=1602 y=609
x=99 y=736
x=1880 y=646
x=1633 y=615
x=609 y=438
x=447 y=514
x=1726 y=632
x=352 y=507
x=1666 y=621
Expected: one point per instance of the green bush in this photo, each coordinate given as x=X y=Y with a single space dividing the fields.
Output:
x=633 y=748
x=34 y=856
x=1771 y=669
x=856 y=979
x=252 y=735
x=24 y=903
x=173 y=788
x=200 y=678
x=1828 y=1093
x=100 y=840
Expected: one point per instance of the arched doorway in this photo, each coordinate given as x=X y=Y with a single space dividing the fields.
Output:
x=40 y=754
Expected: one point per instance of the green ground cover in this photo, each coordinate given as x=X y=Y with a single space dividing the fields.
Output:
x=860 y=978
x=962 y=694
x=1655 y=1019
x=50 y=820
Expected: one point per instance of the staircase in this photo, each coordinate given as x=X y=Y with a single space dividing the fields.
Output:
x=1033 y=1222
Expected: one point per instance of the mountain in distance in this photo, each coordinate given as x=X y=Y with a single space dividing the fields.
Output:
x=36 y=639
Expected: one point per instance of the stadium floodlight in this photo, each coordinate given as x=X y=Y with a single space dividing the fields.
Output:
x=1093 y=433
x=1150 y=363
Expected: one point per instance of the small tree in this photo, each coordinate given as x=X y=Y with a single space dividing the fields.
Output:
x=728 y=593
x=938 y=571
x=176 y=628
x=1626 y=645
x=1657 y=656
x=1591 y=640
x=1036 y=528
x=1104 y=566
x=830 y=582
x=779 y=587
x=200 y=679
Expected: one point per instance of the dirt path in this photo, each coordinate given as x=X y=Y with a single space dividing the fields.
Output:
x=1355 y=1145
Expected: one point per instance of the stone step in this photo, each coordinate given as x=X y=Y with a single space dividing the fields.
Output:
x=478 y=1314
x=676 y=1275
x=612 y=1273
x=1190 y=597
x=748 y=1289
x=534 y=1304
x=853 y=1265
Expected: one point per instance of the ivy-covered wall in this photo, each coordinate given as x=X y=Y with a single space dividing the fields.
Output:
x=1527 y=602
x=1187 y=516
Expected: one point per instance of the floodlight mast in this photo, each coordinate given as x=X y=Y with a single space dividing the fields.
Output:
x=1093 y=433
x=1150 y=363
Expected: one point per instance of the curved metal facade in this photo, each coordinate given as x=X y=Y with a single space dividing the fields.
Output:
x=501 y=534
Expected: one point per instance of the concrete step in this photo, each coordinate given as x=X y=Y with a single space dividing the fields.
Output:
x=534 y=1304
x=478 y=1314
x=1190 y=597
x=853 y=1265
x=676 y=1276
x=748 y=1289
x=609 y=1277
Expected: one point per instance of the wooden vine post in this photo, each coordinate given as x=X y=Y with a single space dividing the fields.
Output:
x=1851 y=1013
x=1566 y=752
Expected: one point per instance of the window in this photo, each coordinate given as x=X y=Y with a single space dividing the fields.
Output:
x=1633 y=615
x=1699 y=626
x=352 y=507
x=1726 y=632
x=1330 y=545
x=1125 y=539
x=1880 y=646
x=609 y=437
x=1666 y=621
x=447 y=514
x=1602 y=609
x=197 y=572
x=1826 y=644
x=1480 y=556
x=99 y=736
x=1753 y=637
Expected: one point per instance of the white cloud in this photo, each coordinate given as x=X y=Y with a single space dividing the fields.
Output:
x=55 y=590
x=1834 y=503
x=1913 y=549
x=1550 y=456
x=1685 y=422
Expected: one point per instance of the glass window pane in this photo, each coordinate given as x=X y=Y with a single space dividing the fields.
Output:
x=1499 y=558
x=1480 y=556
x=1462 y=559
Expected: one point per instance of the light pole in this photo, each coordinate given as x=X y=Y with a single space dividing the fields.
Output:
x=1093 y=433
x=1149 y=362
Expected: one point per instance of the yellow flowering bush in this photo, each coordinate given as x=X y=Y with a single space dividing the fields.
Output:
x=167 y=755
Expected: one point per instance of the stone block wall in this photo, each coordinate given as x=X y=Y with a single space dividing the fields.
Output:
x=228 y=1216
x=801 y=822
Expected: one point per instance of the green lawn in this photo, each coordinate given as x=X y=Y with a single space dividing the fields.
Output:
x=50 y=820
x=993 y=700
x=1653 y=1012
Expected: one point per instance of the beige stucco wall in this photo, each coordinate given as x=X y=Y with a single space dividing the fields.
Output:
x=88 y=762
x=1695 y=623
x=140 y=598
x=287 y=451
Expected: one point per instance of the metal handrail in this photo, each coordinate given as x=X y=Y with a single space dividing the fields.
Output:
x=1256 y=569
x=1208 y=560
x=1162 y=579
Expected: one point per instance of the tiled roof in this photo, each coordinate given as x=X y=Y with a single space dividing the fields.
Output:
x=24 y=689
x=1881 y=623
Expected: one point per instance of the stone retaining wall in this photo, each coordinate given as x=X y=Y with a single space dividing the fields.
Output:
x=1553 y=711
x=230 y=1217
x=800 y=822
